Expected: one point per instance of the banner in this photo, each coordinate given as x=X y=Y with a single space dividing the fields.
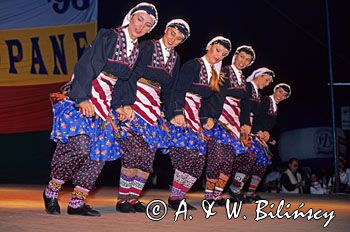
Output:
x=40 y=42
x=42 y=55
x=309 y=143
x=42 y=13
x=26 y=108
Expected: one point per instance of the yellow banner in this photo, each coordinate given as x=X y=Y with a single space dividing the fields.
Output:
x=42 y=55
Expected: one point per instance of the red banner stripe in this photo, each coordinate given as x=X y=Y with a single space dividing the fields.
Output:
x=26 y=108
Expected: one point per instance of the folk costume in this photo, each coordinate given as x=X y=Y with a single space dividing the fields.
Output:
x=110 y=57
x=264 y=121
x=250 y=108
x=226 y=142
x=188 y=144
x=156 y=73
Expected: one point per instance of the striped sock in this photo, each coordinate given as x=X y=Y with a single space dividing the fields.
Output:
x=78 y=196
x=124 y=187
x=209 y=188
x=189 y=182
x=53 y=188
x=136 y=189
x=253 y=185
x=237 y=183
x=220 y=185
x=176 y=188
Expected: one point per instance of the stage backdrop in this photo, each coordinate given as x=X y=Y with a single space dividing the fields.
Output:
x=309 y=143
x=40 y=41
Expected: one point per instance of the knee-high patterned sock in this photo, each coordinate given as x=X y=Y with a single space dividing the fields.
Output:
x=254 y=183
x=127 y=176
x=209 y=188
x=124 y=187
x=237 y=183
x=79 y=194
x=137 y=186
x=220 y=185
x=176 y=189
x=53 y=188
x=189 y=182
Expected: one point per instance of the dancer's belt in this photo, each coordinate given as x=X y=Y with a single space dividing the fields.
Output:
x=109 y=75
x=153 y=84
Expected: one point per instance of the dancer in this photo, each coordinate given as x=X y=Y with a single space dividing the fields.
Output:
x=262 y=127
x=159 y=67
x=198 y=81
x=250 y=107
x=77 y=118
x=226 y=132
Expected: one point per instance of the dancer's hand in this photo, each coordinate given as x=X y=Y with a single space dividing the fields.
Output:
x=87 y=108
x=122 y=116
x=129 y=112
x=266 y=136
x=246 y=129
x=260 y=135
x=209 y=125
x=178 y=120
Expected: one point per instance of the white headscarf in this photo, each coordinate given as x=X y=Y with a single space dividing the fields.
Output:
x=285 y=85
x=238 y=50
x=140 y=8
x=218 y=65
x=258 y=72
x=184 y=27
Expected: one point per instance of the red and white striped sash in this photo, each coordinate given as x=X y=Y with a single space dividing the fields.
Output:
x=230 y=115
x=102 y=88
x=147 y=104
x=192 y=106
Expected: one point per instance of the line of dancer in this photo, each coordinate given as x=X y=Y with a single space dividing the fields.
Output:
x=128 y=99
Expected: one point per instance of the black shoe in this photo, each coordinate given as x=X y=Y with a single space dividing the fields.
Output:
x=221 y=202
x=125 y=207
x=254 y=198
x=236 y=197
x=174 y=204
x=249 y=200
x=231 y=193
x=139 y=207
x=258 y=198
x=51 y=205
x=191 y=207
x=83 y=210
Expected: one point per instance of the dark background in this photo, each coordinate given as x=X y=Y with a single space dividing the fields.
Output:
x=289 y=37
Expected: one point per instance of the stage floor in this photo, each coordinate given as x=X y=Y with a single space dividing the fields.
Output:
x=22 y=209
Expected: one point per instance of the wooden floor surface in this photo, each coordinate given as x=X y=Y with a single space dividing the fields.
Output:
x=22 y=209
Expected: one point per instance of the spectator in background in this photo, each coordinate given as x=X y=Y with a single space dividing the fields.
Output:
x=346 y=171
x=317 y=187
x=344 y=176
x=306 y=177
x=291 y=181
x=272 y=180
x=324 y=176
